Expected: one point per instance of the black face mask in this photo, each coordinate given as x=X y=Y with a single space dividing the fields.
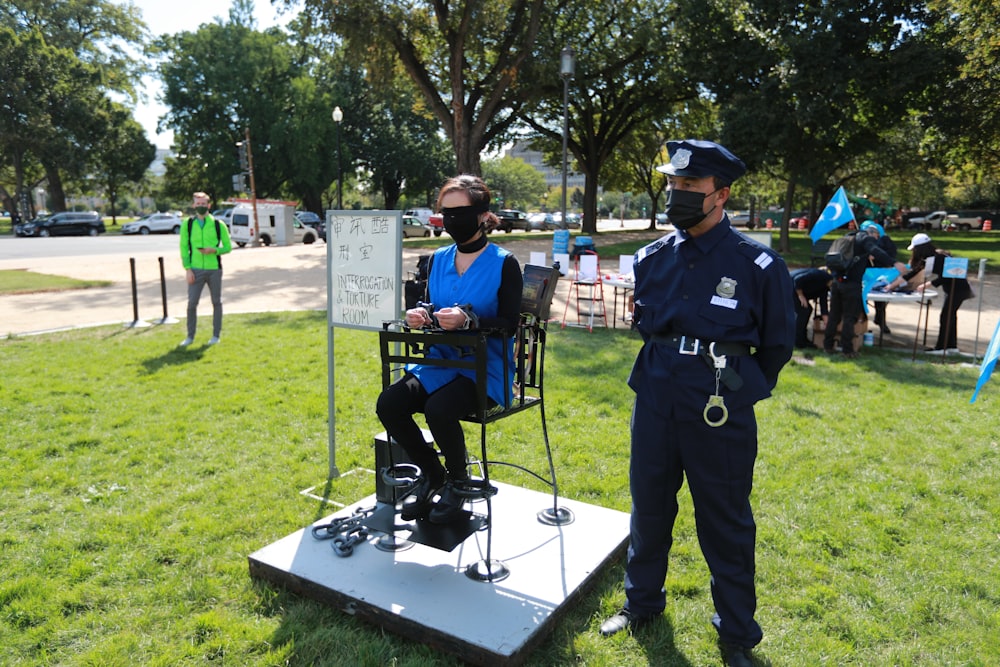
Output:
x=684 y=208
x=461 y=222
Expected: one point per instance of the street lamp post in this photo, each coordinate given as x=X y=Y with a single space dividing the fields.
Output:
x=567 y=64
x=338 y=118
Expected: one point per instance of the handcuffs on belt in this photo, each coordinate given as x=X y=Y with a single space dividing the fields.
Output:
x=716 y=400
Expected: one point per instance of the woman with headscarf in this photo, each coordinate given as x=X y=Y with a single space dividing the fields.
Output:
x=877 y=231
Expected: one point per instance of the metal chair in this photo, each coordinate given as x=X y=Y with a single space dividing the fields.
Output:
x=399 y=346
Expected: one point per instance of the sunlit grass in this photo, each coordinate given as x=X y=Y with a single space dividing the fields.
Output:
x=24 y=282
x=138 y=477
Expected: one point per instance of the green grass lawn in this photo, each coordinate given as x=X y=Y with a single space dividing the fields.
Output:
x=24 y=282
x=138 y=477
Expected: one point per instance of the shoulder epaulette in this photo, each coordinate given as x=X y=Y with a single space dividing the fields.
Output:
x=654 y=247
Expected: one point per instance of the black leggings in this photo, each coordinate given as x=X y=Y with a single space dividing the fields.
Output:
x=442 y=410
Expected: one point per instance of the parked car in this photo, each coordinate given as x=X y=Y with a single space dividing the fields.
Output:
x=511 y=219
x=661 y=219
x=935 y=220
x=573 y=221
x=413 y=227
x=224 y=215
x=67 y=223
x=421 y=214
x=966 y=220
x=436 y=223
x=309 y=219
x=312 y=221
x=157 y=223
x=541 y=222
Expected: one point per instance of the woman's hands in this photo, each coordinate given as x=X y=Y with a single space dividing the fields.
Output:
x=450 y=319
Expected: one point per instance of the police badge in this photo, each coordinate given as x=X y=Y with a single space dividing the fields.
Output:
x=726 y=288
x=681 y=159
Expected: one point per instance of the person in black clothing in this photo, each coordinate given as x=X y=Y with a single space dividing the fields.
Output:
x=929 y=259
x=877 y=231
x=846 y=297
x=810 y=285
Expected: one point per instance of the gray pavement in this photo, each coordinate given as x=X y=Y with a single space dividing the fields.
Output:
x=294 y=278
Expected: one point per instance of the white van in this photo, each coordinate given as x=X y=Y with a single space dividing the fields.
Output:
x=276 y=222
x=421 y=214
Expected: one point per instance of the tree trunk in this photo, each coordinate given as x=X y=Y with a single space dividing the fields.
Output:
x=56 y=192
x=784 y=245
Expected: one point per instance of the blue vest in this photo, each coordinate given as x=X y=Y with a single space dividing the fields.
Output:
x=478 y=287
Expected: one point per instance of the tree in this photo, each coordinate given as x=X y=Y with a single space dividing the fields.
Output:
x=963 y=123
x=122 y=156
x=514 y=181
x=220 y=81
x=615 y=89
x=816 y=85
x=465 y=59
x=94 y=40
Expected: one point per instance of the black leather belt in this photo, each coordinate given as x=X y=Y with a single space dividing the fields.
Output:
x=700 y=348
x=697 y=346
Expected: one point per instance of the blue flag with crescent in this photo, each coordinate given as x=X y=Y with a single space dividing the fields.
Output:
x=989 y=362
x=837 y=213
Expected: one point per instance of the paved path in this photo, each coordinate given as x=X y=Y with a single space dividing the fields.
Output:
x=294 y=278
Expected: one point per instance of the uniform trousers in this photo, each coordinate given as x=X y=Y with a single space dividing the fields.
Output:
x=718 y=463
x=442 y=410
x=212 y=278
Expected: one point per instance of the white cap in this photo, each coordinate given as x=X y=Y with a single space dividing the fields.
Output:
x=918 y=239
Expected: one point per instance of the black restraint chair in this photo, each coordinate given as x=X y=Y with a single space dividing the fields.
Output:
x=400 y=346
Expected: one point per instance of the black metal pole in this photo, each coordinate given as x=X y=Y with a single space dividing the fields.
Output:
x=163 y=289
x=135 y=292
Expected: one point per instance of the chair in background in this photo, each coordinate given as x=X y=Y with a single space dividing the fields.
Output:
x=586 y=293
x=401 y=346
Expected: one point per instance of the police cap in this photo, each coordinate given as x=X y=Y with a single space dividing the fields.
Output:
x=697 y=158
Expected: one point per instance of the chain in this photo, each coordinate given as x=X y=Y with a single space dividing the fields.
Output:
x=346 y=531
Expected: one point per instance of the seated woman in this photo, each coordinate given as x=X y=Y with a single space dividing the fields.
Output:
x=471 y=272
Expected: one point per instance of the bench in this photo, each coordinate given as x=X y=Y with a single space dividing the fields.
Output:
x=817 y=257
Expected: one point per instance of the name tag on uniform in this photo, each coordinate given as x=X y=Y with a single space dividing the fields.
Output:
x=725 y=303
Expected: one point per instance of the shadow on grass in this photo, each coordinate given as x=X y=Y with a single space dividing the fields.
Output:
x=176 y=356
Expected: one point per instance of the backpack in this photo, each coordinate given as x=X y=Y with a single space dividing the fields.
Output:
x=218 y=235
x=840 y=257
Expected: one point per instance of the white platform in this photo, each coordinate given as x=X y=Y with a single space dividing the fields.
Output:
x=424 y=594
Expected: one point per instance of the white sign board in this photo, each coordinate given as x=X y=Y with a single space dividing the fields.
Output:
x=364 y=265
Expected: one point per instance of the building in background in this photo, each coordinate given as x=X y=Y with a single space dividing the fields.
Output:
x=553 y=176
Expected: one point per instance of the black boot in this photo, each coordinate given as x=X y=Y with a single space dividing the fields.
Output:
x=448 y=508
x=419 y=501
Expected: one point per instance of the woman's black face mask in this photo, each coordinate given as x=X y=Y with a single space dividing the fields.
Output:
x=461 y=222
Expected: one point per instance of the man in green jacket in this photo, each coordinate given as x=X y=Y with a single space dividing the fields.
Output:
x=203 y=240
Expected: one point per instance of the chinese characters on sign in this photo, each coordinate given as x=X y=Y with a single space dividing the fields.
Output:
x=363 y=253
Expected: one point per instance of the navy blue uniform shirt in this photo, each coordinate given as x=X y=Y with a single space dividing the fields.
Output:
x=720 y=286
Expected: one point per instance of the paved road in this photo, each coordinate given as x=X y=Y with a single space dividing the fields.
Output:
x=291 y=278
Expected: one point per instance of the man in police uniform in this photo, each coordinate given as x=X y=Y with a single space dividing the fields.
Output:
x=714 y=312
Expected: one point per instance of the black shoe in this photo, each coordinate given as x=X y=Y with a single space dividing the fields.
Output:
x=418 y=503
x=448 y=508
x=884 y=328
x=623 y=620
x=735 y=656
